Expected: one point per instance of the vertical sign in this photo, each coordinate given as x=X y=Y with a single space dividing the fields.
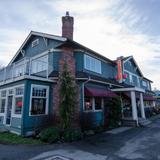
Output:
x=119 y=70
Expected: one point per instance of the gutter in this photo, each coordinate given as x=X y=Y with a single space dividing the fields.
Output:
x=83 y=88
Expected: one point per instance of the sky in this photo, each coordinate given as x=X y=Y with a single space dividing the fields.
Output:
x=112 y=28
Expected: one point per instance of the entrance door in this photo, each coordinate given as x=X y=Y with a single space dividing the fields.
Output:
x=9 y=110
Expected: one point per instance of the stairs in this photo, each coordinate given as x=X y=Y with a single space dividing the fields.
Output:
x=143 y=122
x=129 y=122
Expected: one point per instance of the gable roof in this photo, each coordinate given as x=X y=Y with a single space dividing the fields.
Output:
x=67 y=42
x=45 y=35
x=125 y=59
x=147 y=79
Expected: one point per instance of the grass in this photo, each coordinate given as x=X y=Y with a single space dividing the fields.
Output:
x=10 y=138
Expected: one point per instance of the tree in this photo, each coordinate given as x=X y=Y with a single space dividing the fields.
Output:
x=68 y=97
x=115 y=112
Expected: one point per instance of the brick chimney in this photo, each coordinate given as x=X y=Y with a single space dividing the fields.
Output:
x=67 y=56
x=67 y=26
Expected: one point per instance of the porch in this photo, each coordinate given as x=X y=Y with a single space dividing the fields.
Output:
x=134 y=104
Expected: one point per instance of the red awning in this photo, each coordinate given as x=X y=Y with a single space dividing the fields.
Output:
x=145 y=96
x=149 y=98
x=98 y=92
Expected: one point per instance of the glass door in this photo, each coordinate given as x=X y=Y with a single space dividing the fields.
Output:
x=9 y=110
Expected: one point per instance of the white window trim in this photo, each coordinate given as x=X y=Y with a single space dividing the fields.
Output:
x=93 y=106
x=13 y=115
x=2 y=114
x=34 y=58
x=132 y=74
x=16 y=96
x=85 y=63
x=47 y=100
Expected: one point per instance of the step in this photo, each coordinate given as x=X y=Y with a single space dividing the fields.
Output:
x=143 y=122
x=129 y=122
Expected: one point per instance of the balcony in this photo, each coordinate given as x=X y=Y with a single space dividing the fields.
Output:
x=37 y=67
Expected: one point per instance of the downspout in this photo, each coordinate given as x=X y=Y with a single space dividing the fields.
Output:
x=83 y=88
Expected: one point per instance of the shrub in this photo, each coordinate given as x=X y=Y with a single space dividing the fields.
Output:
x=115 y=112
x=72 y=134
x=99 y=129
x=50 y=135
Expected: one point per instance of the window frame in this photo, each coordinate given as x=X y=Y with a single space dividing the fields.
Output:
x=4 y=97
x=88 y=66
x=47 y=99
x=14 y=101
x=93 y=105
x=35 y=64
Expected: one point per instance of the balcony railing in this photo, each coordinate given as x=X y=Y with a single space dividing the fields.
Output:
x=32 y=67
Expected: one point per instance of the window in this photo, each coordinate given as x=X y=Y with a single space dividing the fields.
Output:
x=35 y=42
x=3 y=94
x=92 y=64
x=130 y=78
x=18 y=71
x=2 y=105
x=144 y=83
x=18 y=100
x=98 y=103
x=39 y=64
x=88 y=104
x=3 y=101
x=39 y=101
x=93 y=104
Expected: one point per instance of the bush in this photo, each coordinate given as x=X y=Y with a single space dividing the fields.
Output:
x=115 y=112
x=50 y=135
x=99 y=129
x=72 y=134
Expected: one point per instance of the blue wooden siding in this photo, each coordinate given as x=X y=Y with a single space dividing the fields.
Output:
x=40 y=48
x=31 y=123
x=108 y=70
x=79 y=60
x=131 y=67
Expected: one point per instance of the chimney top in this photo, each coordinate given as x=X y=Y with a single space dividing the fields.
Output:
x=67 y=13
x=67 y=26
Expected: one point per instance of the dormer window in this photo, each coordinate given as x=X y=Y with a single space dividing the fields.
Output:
x=35 y=42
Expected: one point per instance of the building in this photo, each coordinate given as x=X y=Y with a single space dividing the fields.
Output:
x=157 y=96
x=29 y=93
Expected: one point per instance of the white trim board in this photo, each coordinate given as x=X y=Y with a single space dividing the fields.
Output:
x=128 y=89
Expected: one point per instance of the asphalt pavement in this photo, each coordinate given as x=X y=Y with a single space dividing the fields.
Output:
x=141 y=143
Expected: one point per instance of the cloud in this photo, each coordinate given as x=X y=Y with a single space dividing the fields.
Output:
x=112 y=28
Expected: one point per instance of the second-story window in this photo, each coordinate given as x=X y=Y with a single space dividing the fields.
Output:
x=92 y=64
x=39 y=64
x=144 y=83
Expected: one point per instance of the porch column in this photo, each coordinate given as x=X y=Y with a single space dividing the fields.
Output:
x=134 y=107
x=142 y=106
x=154 y=103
